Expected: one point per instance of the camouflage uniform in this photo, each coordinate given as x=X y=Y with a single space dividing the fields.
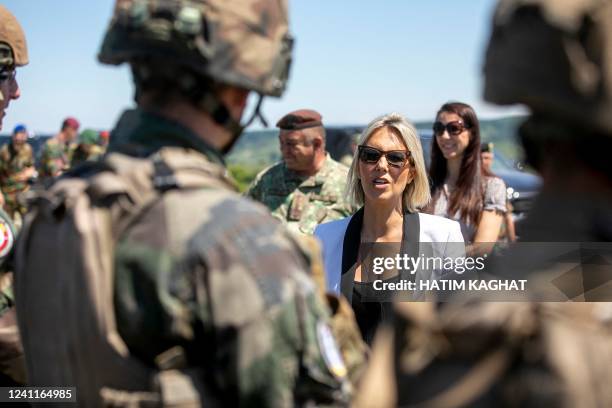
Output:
x=55 y=158
x=83 y=153
x=198 y=270
x=244 y=320
x=212 y=273
x=13 y=162
x=303 y=202
x=87 y=149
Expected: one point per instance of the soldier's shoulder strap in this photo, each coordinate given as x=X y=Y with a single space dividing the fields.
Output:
x=144 y=179
x=134 y=182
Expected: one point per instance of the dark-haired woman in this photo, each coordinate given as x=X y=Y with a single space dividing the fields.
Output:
x=461 y=190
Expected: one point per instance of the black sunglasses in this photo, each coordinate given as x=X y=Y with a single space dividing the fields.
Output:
x=395 y=158
x=453 y=128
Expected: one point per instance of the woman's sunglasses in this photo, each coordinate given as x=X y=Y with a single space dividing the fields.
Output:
x=395 y=158
x=453 y=128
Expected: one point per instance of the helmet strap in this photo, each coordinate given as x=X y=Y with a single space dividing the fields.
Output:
x=211 y=104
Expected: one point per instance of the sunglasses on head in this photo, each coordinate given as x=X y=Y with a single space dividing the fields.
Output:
x=453 y=128
x=395 y=158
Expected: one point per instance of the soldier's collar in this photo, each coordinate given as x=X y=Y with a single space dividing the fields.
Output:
x=146 y=132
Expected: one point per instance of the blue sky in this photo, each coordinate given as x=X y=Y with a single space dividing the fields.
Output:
x=353 y=60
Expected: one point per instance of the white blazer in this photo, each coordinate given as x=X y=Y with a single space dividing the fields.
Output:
x=340 y=249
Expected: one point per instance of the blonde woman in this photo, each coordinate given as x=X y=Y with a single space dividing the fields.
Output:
x=388 y=180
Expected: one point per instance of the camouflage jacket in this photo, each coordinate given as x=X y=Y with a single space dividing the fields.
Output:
x=86 y=152
x=13 y=162
x=303 y=202
x=213 y=272
x=55 y=158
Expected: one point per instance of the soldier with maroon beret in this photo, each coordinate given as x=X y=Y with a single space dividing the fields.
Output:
x=57 y=152
x=307 y=187
x=300 y=119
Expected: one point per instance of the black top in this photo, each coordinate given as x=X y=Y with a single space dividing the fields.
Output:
x=369 y=313
x=371 y=308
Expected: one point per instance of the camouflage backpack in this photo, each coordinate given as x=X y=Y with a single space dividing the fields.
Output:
x=65 y=256
x=65 y=262
x=493 y=354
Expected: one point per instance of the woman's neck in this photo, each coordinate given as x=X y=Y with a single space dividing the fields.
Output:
x=453 y=167
x=382 y=222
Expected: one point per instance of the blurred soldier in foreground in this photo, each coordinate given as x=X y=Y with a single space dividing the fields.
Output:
x=57 y=151
x=16 y=170
x=307 y=187
x=165 y=286
x=556 y=58
x=87 y=149
x=13 y=54
x=568 y=136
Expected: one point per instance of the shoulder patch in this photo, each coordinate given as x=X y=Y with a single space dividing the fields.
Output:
x=329 y=350
x=7 y=237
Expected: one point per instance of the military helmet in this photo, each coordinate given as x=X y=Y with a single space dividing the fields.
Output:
x=13 y=47
x=554 y=56
x=243 y=43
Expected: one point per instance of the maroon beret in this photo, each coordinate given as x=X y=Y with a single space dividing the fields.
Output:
x=300 y=119
x=71 y=122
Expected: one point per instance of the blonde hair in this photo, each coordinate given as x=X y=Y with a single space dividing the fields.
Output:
x=416 y=194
